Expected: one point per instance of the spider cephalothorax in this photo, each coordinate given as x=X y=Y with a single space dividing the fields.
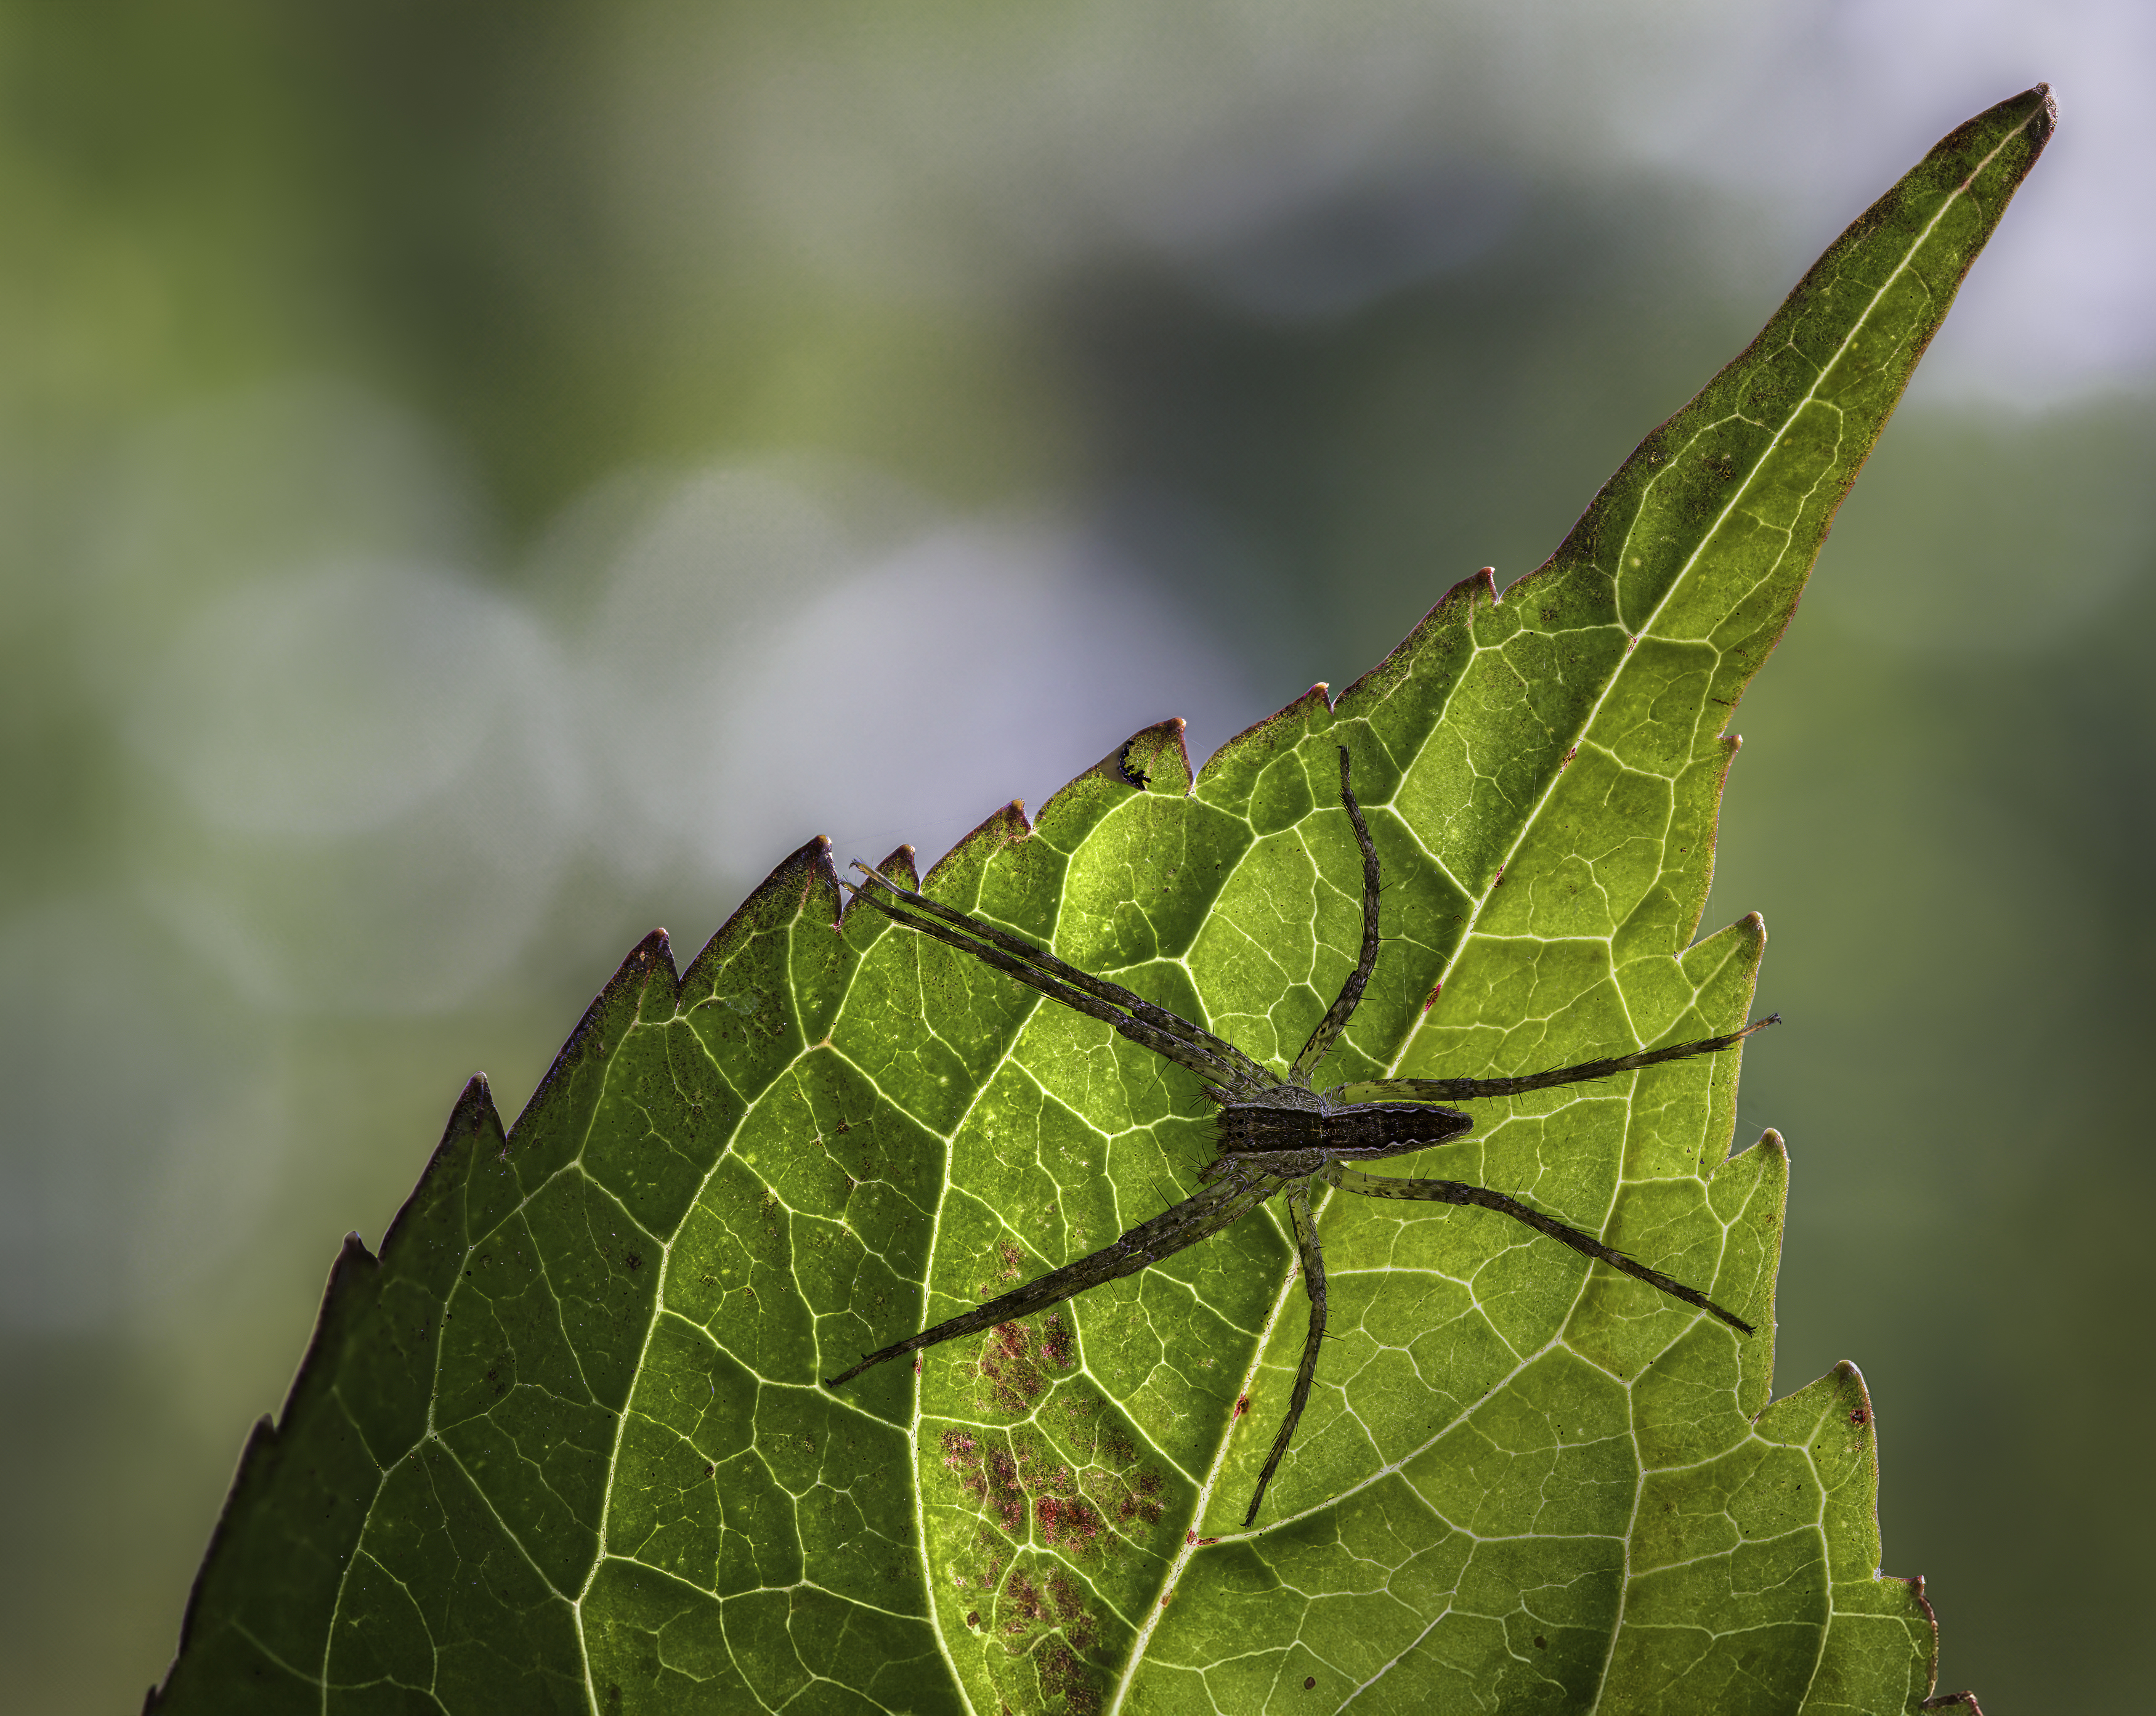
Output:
x=1276 y=1133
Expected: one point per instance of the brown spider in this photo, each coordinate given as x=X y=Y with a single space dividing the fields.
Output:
x=1275 y=1134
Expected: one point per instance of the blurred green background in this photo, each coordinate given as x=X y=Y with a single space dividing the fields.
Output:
x=483 y=481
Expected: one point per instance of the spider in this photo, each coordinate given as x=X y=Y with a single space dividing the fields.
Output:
x=1275 y=1134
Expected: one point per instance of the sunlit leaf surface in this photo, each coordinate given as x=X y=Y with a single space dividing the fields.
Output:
x=563 y=1446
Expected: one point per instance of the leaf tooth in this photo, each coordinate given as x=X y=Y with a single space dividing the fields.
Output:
x=1004 y=827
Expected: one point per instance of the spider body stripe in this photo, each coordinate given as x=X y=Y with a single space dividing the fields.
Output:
x=1360 y=1132
x=1276 y=1133
x=1374 y=1129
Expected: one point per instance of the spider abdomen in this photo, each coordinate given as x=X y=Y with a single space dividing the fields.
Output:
x=1360 y=1130
x=1388 y=1129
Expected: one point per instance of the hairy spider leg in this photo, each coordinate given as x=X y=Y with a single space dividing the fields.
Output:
x=1224 y=1066
x=1220 y=1204
x=1351 y=992
x=1150 y=1012
x=1313 y=1283
x=1227 y=1074
x=1451 y=1191
x=1443 y=1090
x=1460 y=1090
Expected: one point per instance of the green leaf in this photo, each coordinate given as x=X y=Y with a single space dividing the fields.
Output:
x=562 y=1447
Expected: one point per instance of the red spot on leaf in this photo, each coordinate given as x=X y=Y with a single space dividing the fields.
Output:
x=1056 y=1342
x=1066 y=1522
x=1022 y=1485
x=1018 y=1363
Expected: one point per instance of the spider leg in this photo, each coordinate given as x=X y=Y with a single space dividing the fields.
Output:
x=1457 y=1090
x=1351 y=992
x=1196 y=1217
x=1212 y=1058
x=1149 y=1012
x=1313 y=1283
x=1221 y=1077
x=1450 y=1191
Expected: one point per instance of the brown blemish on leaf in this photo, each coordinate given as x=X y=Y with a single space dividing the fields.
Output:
x=1071 y=1512
x=1078 y=1626
x=1063 y=1675
x=990 y=1477
x=1018 y=1362
x=1860 y=1415
x=1117 y=1479
x=1027 y=1606
x=1066 y=1522
x=1101 y=1494
x=1048 y=1621
x=1056 y=1342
